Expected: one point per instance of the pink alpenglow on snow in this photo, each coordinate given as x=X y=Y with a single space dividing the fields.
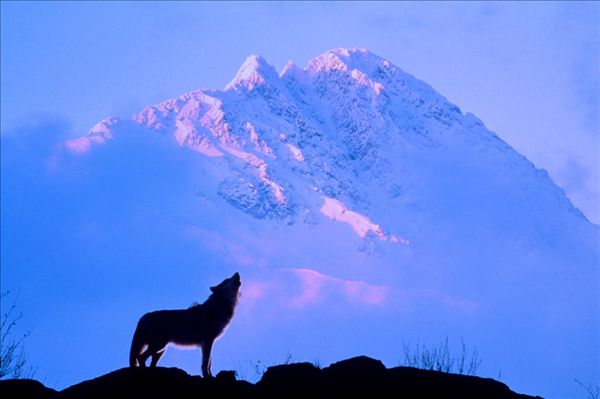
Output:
x=260 y=144
x=362 y=225
x=296 y=152
x=253 y=72
x=186 y=134
x=261 y=167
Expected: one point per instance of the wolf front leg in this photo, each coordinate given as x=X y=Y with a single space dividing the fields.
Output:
x=206 y=361
x=156 y=357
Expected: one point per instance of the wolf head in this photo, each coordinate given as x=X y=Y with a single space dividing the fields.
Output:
x=229 y=288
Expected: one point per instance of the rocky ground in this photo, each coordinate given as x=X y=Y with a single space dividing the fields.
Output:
x=357 y=377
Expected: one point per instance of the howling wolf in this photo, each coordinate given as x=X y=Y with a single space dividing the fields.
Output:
x=199 y=325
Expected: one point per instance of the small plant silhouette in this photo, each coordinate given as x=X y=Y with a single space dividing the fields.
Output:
x=441 y=359
x=260 y=368
x=593 y=391
x=13 y=358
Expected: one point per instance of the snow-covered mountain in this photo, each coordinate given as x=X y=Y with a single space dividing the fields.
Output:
x=364 y=209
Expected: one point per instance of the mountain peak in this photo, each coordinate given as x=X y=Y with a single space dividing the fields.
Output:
x=352 y=52
x=346 y=59
x=329 y=61
x=254 y=71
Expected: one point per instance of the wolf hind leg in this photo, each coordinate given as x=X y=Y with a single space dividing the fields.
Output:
x=152 y=350
x=142 y=357
x=206 y=358
x=156 y=357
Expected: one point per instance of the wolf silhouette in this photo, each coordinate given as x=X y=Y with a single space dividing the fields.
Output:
x=200 y=325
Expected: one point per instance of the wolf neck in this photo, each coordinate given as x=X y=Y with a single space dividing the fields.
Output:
x=219 y=306
x=220 y=300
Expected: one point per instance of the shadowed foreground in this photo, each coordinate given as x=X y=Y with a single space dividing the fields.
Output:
x=356 y=377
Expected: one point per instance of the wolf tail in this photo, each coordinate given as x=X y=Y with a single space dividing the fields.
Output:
x=137 y=344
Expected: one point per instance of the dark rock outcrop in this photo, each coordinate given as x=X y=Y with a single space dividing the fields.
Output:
x=26 y=389
x=357 y=377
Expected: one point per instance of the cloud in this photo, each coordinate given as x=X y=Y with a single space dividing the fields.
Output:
x=299 y=288
x=82 y=145
x=450 y=301
x=577 y=30
x=581 y=182
x=31 y=143
x=233 y=250
x=318 y=287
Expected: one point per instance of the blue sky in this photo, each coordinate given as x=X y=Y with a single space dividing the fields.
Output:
x=529 y=70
